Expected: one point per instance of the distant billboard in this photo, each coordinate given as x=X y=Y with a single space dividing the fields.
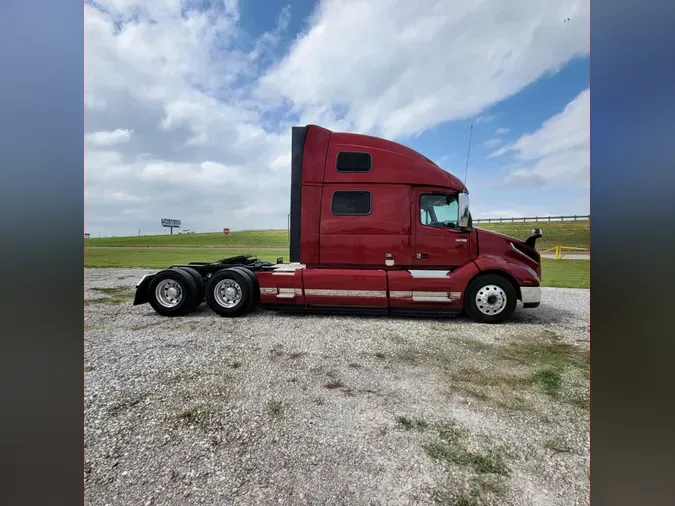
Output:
x=170 y=223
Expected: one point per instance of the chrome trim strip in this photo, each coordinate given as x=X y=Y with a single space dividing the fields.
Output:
x=428 y=273
x=399 y=295
x=346 y=293
x=268 y=291
x=289 y=267
x=530 y=294
x=432 y=299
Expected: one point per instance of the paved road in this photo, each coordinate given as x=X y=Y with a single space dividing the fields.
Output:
x=572 y=255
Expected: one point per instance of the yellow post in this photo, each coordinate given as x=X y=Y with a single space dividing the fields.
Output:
x=557 y=252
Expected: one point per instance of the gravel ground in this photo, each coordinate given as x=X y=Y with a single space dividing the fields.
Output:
x=281 y=409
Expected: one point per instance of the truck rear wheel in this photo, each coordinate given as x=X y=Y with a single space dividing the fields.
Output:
x=172 y=292
x=199 y=280
x=254 y=280
x=230 y=292
x=490 y=298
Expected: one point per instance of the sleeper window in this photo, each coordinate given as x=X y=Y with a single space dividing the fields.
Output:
x=354 y=203
x=350 y=161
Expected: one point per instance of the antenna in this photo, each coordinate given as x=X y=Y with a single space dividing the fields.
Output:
x=467 y=154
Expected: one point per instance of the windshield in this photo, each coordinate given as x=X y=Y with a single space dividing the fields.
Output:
x=439 y=210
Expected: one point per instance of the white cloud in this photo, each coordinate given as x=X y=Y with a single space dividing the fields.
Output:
x=485 y=118
x=558 y=152
x=397 y=69
x=492 y=143
x=92 y=102
x=118 y=136
x=502 y=131
x=207 y=119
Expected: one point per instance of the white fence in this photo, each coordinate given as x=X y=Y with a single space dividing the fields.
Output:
x=576 y=217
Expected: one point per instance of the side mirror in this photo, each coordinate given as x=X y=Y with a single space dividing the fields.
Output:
x=536 y=234
x=463 y=216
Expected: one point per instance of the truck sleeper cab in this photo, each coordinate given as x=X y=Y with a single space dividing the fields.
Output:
x=374 y=228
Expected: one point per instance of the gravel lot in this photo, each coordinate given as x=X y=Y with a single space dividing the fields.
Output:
x=280 y=409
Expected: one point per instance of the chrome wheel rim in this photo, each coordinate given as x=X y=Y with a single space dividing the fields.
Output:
x=491 y=300
x=227 y=293
x=169 y=293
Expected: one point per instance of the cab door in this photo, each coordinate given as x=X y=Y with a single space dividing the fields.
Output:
x=438 y=240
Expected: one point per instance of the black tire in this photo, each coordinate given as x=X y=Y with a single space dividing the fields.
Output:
x=201 y=286
x=245 y=286
x=488 y=286
x=188 y=289
x=254 y=280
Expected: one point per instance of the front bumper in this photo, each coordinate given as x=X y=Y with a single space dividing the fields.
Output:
x=530 y=296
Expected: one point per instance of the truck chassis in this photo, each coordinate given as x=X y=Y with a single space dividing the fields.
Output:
x=233 y=286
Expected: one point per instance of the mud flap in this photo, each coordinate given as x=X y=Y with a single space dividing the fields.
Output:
x=141 y=296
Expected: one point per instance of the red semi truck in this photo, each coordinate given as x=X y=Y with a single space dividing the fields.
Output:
x=375 y=228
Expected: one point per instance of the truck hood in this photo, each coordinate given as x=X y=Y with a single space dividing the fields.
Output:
x=515 y=250
x=491 y=235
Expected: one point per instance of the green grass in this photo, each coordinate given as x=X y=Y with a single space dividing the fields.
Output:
x=576 y=234
x=114 y=296
x=451 y=446
x=550 y=381
x=275 y=408
x=566 y=273
x=565 y=233
x=244 y=239
x=161 y=258
x=408 y=423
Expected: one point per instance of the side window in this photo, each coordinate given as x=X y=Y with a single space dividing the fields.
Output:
x=439 y=210
x=353 y=203
x=350 y=161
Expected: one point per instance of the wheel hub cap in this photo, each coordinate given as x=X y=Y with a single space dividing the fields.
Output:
x=228 y=293
x=491 y=300
x=169 y=293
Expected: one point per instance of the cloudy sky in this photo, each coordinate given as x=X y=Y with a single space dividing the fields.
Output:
x=189 y=104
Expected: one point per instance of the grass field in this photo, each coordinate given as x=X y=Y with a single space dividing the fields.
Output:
x=566 y=273
x=564 y=233
x=576 y=234
x=244 y=239
x=161 y=258
x=560 y=273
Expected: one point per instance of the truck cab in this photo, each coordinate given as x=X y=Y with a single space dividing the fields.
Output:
x=361 y=202
x=378 y=228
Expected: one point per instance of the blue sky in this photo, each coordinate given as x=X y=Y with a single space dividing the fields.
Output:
x=190 y=104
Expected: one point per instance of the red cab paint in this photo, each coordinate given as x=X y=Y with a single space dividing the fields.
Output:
x=375 y=225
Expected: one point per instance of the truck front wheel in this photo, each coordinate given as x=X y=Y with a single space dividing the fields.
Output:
x=230 y=293
x=490 y=298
